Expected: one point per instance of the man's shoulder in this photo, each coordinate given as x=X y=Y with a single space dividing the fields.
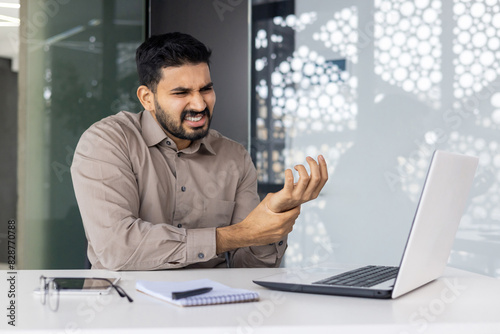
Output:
x=118 y=131
x=120 y=120
x=220 y=142
x=122 y=124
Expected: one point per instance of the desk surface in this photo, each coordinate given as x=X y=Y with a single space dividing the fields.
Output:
x=458 y=302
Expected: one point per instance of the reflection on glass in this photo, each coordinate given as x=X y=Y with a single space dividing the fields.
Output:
x=376 y=87
x=79 y=68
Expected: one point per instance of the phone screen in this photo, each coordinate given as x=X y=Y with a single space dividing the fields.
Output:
x=80 y=283
x=72 y=285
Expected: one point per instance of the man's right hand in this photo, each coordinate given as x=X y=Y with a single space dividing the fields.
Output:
x=261 y=227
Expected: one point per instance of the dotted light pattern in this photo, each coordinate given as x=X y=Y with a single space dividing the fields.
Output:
x=261 y=40
x=495 y=115
x=407 y=47
x=408 y=55
x=341 y=34
x=309 y=95
x=484 y=209
x=485 y=206
x=297 y=23
x=312 y=95
x=412 y=171
x=331 y=152
x=310 y=227
x=476 y=46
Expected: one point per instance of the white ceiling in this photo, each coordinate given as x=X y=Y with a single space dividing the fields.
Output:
x=9 y=31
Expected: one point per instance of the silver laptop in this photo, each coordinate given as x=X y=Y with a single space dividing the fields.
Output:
x=442 y=203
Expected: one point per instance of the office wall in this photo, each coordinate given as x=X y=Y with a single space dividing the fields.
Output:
x=8 y=151
x=222 y=26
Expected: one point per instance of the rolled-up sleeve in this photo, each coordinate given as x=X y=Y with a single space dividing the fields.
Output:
x=106 y=189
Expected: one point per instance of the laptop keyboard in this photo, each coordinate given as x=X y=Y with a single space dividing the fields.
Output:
x=362 y=277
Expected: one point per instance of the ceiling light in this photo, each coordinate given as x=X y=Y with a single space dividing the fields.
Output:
x=9 y=5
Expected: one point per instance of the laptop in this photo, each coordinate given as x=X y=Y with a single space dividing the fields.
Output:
x=440 y=208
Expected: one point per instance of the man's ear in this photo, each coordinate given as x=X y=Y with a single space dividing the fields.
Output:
x=146 y=97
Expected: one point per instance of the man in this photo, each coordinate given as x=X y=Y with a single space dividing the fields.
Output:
x=159 y=189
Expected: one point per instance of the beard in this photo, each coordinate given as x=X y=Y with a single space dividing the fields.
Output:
x=175 y=128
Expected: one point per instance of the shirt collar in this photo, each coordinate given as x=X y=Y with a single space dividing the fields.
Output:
x=153 y=134
x=198 y=144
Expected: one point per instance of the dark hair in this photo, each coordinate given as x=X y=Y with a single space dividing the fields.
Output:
x=170 y=49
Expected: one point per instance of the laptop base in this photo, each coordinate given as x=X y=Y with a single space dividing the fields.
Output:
x=327 y=290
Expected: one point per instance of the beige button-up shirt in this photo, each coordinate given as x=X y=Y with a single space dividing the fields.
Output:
x=146 y=205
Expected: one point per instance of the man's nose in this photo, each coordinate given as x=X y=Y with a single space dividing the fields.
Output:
x=197 y=102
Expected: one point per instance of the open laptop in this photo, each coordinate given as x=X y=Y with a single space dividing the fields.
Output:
x=442 y=203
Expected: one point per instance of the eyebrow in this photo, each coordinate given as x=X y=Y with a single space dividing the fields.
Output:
x=184 y=89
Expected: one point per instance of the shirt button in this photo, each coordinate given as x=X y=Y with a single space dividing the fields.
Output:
x=178 y=154
x=183 y=188
x=201 y=255
x=179 y=225
x=280 y=243
x=168 y=142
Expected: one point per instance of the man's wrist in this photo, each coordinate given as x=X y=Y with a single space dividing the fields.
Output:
x=230 y=237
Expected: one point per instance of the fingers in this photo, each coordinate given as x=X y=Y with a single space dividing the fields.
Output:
x=323 y=172
x=314 y=180
x=302 y=183
x=305 y=189
x=310 y=186
x=289 y=185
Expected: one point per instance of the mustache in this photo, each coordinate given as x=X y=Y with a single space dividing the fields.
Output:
x=192 y=113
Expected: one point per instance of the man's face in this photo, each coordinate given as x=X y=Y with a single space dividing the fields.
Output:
x=184 y=102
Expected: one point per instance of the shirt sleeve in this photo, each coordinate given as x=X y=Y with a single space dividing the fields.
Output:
x=107 y=193
x=247 y=199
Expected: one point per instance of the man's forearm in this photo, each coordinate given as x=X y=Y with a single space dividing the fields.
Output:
x=261 y=227
x=231 y=237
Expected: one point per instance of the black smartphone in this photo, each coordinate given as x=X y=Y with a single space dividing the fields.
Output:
x=83 y=285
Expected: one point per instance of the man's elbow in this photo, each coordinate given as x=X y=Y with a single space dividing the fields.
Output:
x=112 y=263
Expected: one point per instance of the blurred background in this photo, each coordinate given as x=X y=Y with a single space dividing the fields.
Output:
x=374 y=86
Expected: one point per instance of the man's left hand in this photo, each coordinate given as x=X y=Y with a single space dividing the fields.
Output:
x=307 y=187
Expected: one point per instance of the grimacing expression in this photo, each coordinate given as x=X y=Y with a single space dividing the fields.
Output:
x=175 y=126
x=184 y=101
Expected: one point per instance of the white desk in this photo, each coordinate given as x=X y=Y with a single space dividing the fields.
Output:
x=459 y=302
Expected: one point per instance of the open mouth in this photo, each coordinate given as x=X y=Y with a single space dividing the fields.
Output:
x=196 y=120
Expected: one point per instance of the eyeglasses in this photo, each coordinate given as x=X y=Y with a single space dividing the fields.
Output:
x=49 y=290
x=118 y=288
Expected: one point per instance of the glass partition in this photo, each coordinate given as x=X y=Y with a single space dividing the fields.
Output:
x=77 y=66
x=376 y=87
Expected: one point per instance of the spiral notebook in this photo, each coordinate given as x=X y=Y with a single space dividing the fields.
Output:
x=220 y=294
